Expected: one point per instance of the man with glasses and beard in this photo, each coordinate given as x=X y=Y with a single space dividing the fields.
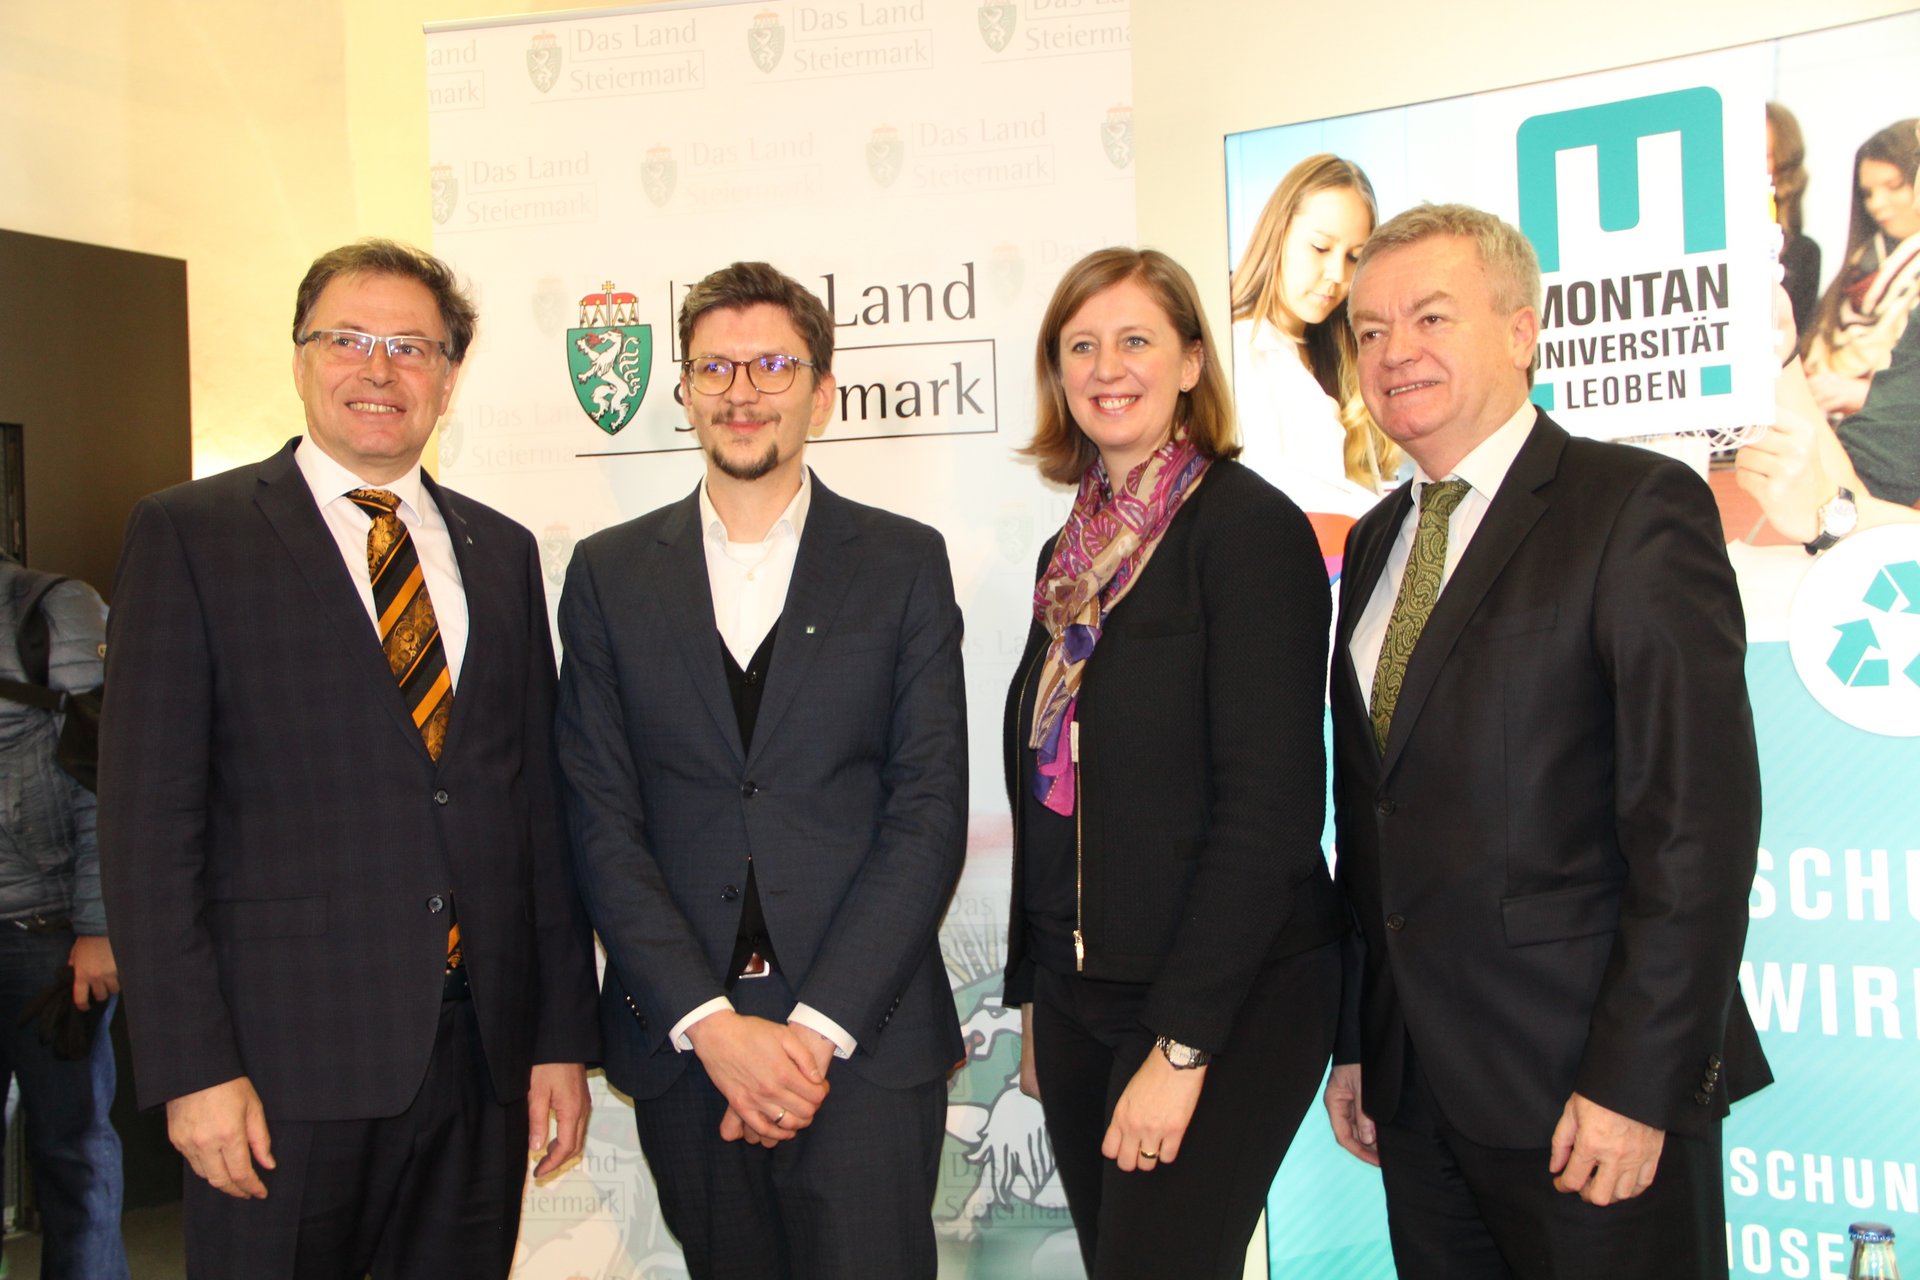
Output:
x=762 y=733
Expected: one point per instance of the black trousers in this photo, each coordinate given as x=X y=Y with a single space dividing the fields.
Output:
x=852 y=1196
x=1194 y=1217
x=1457 y=1210
x=430 y=1194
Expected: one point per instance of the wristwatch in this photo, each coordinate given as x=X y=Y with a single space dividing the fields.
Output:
x=1838 y=518
x=1181 y=1057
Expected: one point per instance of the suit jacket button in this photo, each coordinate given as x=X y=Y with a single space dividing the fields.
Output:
x=436 y=904
x=1396 y=921
x=748 y=790
x=1703 y=1097
x=730 y=894
x=1385 y=806
x=441 y=796
x=1713 y=1062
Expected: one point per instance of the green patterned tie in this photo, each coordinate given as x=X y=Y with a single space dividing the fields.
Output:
x=1419 y=588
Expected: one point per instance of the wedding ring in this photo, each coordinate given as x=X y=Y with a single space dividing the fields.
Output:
x=1149 y=1155
x=782 y=1116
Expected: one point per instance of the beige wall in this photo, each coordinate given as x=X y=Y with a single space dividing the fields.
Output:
x=246 y=135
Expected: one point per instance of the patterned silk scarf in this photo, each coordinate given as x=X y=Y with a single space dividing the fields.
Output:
x=1109 y=536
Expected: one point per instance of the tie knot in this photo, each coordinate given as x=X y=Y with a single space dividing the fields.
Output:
x=1441 y=497
x=379 y=501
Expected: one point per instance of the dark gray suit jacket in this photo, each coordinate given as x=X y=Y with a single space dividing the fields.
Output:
x=852 y=801
x=1549 y=867
x=274 y=836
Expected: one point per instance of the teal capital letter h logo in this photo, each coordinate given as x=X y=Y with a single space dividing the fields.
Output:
x=1615 y=128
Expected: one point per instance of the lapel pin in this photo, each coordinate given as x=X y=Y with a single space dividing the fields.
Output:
x=809 y=630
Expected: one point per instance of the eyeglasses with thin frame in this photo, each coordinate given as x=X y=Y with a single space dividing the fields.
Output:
x=769 y=374
x=404 y=350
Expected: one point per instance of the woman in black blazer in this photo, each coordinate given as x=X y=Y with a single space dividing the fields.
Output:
x=1174 y=936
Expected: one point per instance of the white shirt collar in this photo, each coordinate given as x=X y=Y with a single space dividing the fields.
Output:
x=792 y=521
x=329 y=480
x=1487 y=464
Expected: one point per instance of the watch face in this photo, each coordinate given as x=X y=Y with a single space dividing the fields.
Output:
x=1840 y=516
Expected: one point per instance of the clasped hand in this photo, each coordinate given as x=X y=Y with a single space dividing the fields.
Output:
x=772 y=1074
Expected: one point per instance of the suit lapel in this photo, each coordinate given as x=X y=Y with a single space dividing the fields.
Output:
x=287 y=503
x=1360 y=574
x=822 y=571
x=687 y=602
x=1515 y=509
x=486 y=591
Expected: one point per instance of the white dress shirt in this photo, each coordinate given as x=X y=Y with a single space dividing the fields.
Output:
x=1483 y=469
x=348 y=523
x=749 y=582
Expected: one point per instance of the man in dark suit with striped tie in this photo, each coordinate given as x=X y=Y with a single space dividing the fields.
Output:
x=356 y=969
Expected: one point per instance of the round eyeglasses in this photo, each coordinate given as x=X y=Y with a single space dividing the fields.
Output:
x=770 y=374
x=350 y=346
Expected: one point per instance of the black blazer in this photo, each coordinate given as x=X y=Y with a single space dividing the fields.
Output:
x=274 y=836
x=1550 y=865
x=1202 y=766
x=852 y=800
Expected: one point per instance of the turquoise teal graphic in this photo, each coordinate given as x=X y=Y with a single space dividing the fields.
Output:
x=1615 y=129
x=1895 y=589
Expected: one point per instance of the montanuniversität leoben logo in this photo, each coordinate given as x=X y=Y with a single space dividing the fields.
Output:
x=1855 y=631
x=543 y=61
x=766 y=41
x=611 y=357
x=1614 y=131
x=997 y=18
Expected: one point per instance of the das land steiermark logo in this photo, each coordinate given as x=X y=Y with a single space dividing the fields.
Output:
x=610 y=355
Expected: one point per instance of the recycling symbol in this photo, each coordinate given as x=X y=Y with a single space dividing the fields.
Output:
x=1855 y=631
x=1895 y=589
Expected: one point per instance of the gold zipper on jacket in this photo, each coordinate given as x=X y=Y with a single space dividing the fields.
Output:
x=1079 y=807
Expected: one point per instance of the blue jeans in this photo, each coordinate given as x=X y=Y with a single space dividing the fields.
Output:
x=74 y=1152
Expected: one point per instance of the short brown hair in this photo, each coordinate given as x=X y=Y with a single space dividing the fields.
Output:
x=1061 y=448
x=375 y=257
x=746 y=284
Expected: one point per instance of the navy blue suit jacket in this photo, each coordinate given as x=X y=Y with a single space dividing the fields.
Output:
x=852 y=801
x=274 y=836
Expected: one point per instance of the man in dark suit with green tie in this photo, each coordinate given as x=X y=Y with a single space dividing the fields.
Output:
x=1547 y=802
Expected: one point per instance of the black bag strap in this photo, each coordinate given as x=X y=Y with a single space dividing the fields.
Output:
x=31 y=634
x=31 y=642
x=34 y=695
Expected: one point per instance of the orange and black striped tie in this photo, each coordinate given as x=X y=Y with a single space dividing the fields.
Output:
x=409 y=633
